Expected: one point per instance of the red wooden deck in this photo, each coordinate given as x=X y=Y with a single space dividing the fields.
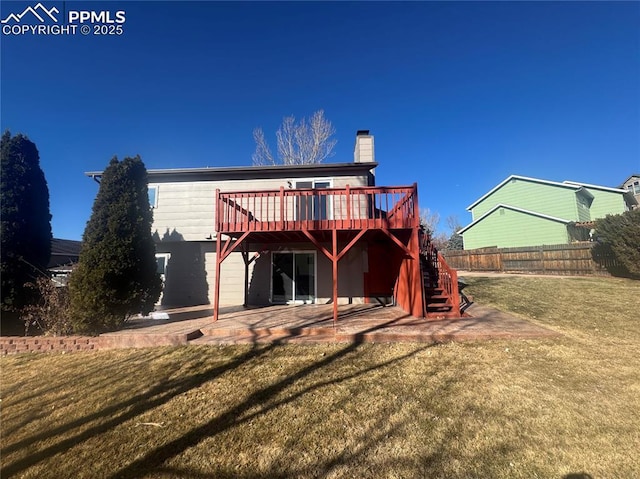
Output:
x=320 y=216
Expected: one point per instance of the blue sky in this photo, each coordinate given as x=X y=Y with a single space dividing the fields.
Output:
x=458 y=95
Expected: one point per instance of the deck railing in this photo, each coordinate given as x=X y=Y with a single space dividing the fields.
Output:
x=317 y=209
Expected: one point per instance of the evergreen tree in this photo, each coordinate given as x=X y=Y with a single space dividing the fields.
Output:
x=620 y=234
x=26 y=222
x=116 y=275
x=455 y=242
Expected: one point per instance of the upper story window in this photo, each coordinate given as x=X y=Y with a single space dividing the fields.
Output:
x=313 y=207
x=634 y=187
x=153 y=196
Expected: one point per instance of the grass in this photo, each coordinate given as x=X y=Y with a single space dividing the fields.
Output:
x=493 y=409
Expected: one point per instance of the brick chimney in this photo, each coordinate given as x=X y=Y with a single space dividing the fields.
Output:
x=363 y=152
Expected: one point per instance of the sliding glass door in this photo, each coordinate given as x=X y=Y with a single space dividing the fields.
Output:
x=293 y=277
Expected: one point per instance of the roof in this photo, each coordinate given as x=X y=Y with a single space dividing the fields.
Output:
x=63 y=253
x=524 y=178
x=65 y=247
x=595 y=187
x=636 y=175
x=514 y=208
x=256 y=172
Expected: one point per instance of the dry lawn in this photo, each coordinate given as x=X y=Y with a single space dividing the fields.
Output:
x=557 y=408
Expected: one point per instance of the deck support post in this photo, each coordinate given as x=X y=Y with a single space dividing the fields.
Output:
x=334 y=260
x=216 y=300
x=221 y=254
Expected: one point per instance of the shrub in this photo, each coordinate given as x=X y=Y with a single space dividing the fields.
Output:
x=50 y=313
x=25 y=235
x=621 y=235
x=116 y=275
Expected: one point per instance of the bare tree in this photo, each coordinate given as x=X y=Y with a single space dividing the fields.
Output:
x=298 y=143
x=454 y=224
x=429 y=220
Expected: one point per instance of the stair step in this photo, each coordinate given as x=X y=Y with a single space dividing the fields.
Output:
x=436 y=298
x=438 y=308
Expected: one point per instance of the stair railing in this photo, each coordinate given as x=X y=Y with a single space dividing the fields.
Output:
x=447 y=277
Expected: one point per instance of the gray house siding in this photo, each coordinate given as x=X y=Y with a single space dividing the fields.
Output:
x=186 y=211
x=190 y=275
x=184 y=227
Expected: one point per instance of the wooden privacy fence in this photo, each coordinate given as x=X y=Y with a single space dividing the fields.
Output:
x=574 y=259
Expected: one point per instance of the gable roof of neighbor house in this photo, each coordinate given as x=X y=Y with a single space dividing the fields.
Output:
x=514 y=208
x=257 y=172
x=636 y=175
x=574 y=187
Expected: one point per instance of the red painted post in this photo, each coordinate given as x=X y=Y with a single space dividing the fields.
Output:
x=334 y=259
x=218 y=204
x=216 y=301
x=416 y=206
x=281 y=222
x=415 y=242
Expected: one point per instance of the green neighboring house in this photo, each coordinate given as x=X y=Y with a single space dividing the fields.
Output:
x=523 y=211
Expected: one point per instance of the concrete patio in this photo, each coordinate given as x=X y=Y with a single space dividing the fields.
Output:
x=314 y=323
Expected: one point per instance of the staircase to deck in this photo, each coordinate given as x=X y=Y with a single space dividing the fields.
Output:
x=440 y=283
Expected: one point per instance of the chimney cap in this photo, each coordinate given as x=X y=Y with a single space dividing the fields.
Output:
x=362 y=132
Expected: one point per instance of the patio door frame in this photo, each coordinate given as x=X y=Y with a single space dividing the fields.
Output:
x=295 y=300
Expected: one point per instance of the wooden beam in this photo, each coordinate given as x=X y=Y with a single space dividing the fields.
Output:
x=317 y=244
x=228 y=250
x=397 y=241
x=351 y=243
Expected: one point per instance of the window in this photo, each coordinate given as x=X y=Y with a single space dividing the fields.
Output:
x=635 y=188
x=313 y=207
x=153 y=196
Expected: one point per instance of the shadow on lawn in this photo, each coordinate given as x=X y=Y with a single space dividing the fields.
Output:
x=269 y=397
x=118 y=413
x=154 y=460
x=439 y=454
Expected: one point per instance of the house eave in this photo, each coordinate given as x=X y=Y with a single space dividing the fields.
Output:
x=255 y=172
x=595 y=187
